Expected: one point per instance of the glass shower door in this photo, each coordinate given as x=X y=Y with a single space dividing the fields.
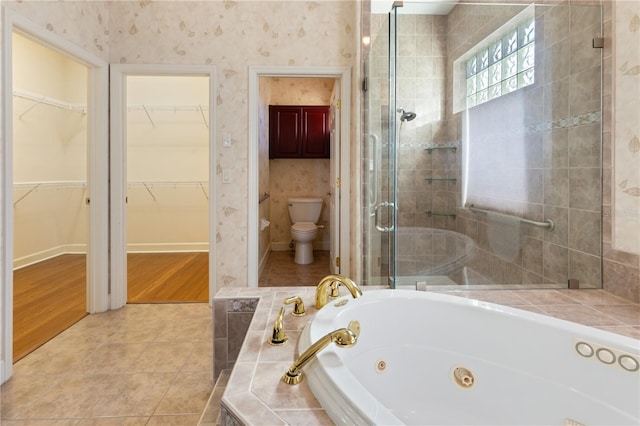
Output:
x=381 y=156
x=490 y=145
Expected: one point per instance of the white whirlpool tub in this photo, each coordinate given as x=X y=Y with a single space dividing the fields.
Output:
x=433 y=359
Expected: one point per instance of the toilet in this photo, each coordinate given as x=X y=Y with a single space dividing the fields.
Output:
x=304 y=213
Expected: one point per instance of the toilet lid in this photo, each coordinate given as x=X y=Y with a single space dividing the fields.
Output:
x=304 y=227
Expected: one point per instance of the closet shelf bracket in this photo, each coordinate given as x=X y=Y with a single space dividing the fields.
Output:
x=39 y=99
x=149 y=191
x=203 y=116
x=151 y=121
x=203 y=191
x=25 y=195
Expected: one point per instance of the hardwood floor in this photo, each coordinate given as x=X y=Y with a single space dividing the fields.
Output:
x=280 y=270
x=50 y=296
x=167 y=277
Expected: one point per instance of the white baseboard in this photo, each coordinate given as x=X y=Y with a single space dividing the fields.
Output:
x=280 y=246
x=48 y=254
x=131 y=248
x=167 y=248
x=263 y=260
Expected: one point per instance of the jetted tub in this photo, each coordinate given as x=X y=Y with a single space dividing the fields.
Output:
x=433 y=359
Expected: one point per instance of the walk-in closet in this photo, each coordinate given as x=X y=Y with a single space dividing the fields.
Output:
x=167 y=175
x=50 y=199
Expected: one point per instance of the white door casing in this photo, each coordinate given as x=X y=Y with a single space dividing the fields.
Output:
x=341 y=152
x=97 y=174
x=334 y=182
x=118 y=188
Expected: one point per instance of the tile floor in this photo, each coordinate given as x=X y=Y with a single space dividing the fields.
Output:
x=142 y=364
x=151 y=364
x=281 y=271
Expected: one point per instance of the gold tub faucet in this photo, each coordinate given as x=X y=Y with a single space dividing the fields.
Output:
x=331 y=283
x=343 y=337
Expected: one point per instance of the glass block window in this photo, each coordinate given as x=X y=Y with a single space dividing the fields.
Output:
x=504 y=65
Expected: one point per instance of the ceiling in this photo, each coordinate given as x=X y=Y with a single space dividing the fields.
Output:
x=414 y=7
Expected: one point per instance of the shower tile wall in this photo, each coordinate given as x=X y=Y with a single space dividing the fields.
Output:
x=563 y=143
x=563 y=147
x=421 y=74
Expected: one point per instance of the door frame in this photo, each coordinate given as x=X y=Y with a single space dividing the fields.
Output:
x=343 y=76
x=97 y=174
x=118 y=207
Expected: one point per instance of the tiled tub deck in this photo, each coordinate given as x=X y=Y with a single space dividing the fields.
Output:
x=254 y=394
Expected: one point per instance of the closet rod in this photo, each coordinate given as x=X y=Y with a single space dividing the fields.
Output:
x=66 y=183
x=150 y=185
x=167 y=183
x=50 y=184
x=41 y=99
x=175 y=108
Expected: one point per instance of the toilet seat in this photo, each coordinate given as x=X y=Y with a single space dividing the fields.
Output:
x=304 y=227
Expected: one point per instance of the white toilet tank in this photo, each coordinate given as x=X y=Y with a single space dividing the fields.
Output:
x=304 y=209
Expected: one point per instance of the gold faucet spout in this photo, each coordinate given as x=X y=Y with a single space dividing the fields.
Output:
x=343 y=337
x=331 y=282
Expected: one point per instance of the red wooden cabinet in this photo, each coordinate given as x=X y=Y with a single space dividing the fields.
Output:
x=298 y=131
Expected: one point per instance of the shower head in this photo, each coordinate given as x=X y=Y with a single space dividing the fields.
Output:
x=406 y=115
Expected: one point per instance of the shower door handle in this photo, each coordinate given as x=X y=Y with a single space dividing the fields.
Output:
x=377 y=217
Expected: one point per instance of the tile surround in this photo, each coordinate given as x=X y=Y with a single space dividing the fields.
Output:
x=255 y=394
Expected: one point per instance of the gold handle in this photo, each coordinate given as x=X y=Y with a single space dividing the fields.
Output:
x=279 y=338
x=298 y=307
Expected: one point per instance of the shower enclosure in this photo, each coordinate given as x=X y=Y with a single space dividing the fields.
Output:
x=483 y=165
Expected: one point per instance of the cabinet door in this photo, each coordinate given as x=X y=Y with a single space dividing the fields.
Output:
x=285 y=132
x=315 y=132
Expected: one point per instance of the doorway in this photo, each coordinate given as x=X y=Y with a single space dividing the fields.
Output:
x=306 y=175
x=54 y=187
x=336 y=204
x=49 y=186
x=161 y=185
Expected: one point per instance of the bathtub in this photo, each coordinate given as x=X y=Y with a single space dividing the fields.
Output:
x=434 y=359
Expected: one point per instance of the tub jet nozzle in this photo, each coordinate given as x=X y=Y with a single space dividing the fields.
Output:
x=463 y=377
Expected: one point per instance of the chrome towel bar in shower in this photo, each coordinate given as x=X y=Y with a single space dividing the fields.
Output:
x=546 y=224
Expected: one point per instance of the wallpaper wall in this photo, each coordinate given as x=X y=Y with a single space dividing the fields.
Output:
x=230 y=35
x=620 y=266
x=627 y=127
